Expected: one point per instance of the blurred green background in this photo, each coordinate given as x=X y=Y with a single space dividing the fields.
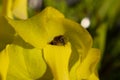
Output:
x=101 y=18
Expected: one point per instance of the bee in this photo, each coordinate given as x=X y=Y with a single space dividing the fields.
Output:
x=58 y=40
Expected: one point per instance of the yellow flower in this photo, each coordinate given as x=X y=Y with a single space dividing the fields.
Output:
x=66 y=46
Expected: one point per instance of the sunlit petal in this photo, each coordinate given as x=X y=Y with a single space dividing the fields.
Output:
x=57 y=57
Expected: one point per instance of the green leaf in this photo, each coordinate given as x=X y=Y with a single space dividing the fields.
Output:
x=25 y=64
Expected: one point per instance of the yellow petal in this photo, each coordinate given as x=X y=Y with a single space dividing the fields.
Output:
x=25 y=64
x=15 y=8
x=81 y=42
x=93 y=77
x=19 y=9
x=4 y=62
x=40 y=29
x=73 y=70
x=57 y=57
x=88 y=66
x=7 y=8
x=78 y=36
